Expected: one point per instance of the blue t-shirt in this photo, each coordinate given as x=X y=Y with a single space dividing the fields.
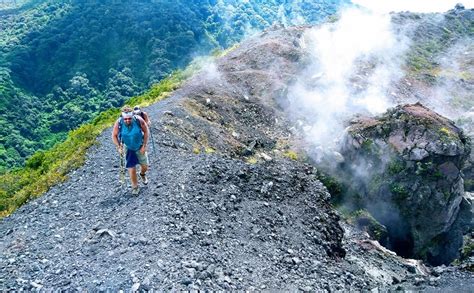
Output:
x=132 y=135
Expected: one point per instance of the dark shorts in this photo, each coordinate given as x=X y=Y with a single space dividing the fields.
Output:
x=135 y=157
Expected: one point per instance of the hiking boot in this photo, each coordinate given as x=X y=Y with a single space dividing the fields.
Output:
x=135 y=190
x=143 y=178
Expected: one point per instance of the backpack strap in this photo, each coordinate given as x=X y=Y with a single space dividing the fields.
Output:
x=138 y=121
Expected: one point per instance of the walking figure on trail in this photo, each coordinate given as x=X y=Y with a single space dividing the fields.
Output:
x=138 y=111
x=130 y=136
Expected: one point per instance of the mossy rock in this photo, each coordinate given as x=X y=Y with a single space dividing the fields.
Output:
x=469 y=184
x=335 y=187
x=395 y=167
x=467 y=253
x=364 y=221
x=399 y=191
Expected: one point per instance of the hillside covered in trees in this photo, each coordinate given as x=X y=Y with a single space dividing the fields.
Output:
x=63 y=62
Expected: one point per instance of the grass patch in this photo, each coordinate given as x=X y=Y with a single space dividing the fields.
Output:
x=220 y=53
x=47 y=168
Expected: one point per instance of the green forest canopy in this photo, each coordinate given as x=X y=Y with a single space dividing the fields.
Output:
x=63 y=62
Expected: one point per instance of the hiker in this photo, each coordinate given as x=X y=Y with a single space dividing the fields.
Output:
x=132 y=132
x=138 y=111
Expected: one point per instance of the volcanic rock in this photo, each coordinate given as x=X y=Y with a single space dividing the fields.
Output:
x=406 y=166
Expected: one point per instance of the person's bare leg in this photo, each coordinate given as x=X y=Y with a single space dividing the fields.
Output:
x=133 y=176
x=143 y=169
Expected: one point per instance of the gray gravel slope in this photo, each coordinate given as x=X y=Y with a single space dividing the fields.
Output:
x=208 y=219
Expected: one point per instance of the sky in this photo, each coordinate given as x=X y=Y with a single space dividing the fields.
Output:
x=412 y=5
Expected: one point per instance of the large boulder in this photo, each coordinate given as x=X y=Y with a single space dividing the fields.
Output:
x=405 y=170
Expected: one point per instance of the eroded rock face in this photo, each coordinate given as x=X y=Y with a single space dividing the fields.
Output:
x=405 y=168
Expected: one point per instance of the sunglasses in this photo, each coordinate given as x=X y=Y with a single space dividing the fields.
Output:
x=127 y=119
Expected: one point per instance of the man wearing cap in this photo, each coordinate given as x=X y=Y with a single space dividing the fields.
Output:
x=132 y=131
x=138 y=111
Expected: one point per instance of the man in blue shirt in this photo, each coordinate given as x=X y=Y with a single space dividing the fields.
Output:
x=130 y=135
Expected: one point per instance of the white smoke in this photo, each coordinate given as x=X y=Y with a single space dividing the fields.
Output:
x=353 y=63
x=210 y=71
x=452 y=96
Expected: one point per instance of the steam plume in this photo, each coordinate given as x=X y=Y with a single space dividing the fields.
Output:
x=353 y=63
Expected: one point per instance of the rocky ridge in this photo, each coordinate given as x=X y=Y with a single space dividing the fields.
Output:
x=225 y=208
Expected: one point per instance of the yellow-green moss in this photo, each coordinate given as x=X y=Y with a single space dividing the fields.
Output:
x=209 y=150
x=291 y=155
x=220 y=53
x=252 y=160
x=444 y=131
